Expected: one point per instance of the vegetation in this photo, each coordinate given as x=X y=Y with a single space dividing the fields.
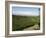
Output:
x=22 y=22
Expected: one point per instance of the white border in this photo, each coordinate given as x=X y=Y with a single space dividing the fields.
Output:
x=24 y=32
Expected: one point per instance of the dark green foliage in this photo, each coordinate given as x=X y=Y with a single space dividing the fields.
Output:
x=22 y=22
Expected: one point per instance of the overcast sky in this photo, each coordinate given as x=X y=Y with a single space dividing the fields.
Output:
x=25 y=11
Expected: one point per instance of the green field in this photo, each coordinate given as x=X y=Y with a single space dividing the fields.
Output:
x=21 y=22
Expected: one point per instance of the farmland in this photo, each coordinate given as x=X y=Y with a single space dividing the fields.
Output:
x=22 y=22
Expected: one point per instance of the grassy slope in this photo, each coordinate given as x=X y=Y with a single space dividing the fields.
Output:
x=22 y=22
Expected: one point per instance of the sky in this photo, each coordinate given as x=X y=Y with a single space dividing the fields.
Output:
x=25 y=11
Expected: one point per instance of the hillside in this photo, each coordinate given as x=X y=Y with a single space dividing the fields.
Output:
x=22 y=22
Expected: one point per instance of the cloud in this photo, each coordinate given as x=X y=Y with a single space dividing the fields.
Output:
x=25 y=13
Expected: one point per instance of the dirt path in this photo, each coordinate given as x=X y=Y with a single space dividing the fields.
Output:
x=32 y=28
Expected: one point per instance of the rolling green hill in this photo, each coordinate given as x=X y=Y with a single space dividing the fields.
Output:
x=22 y=22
